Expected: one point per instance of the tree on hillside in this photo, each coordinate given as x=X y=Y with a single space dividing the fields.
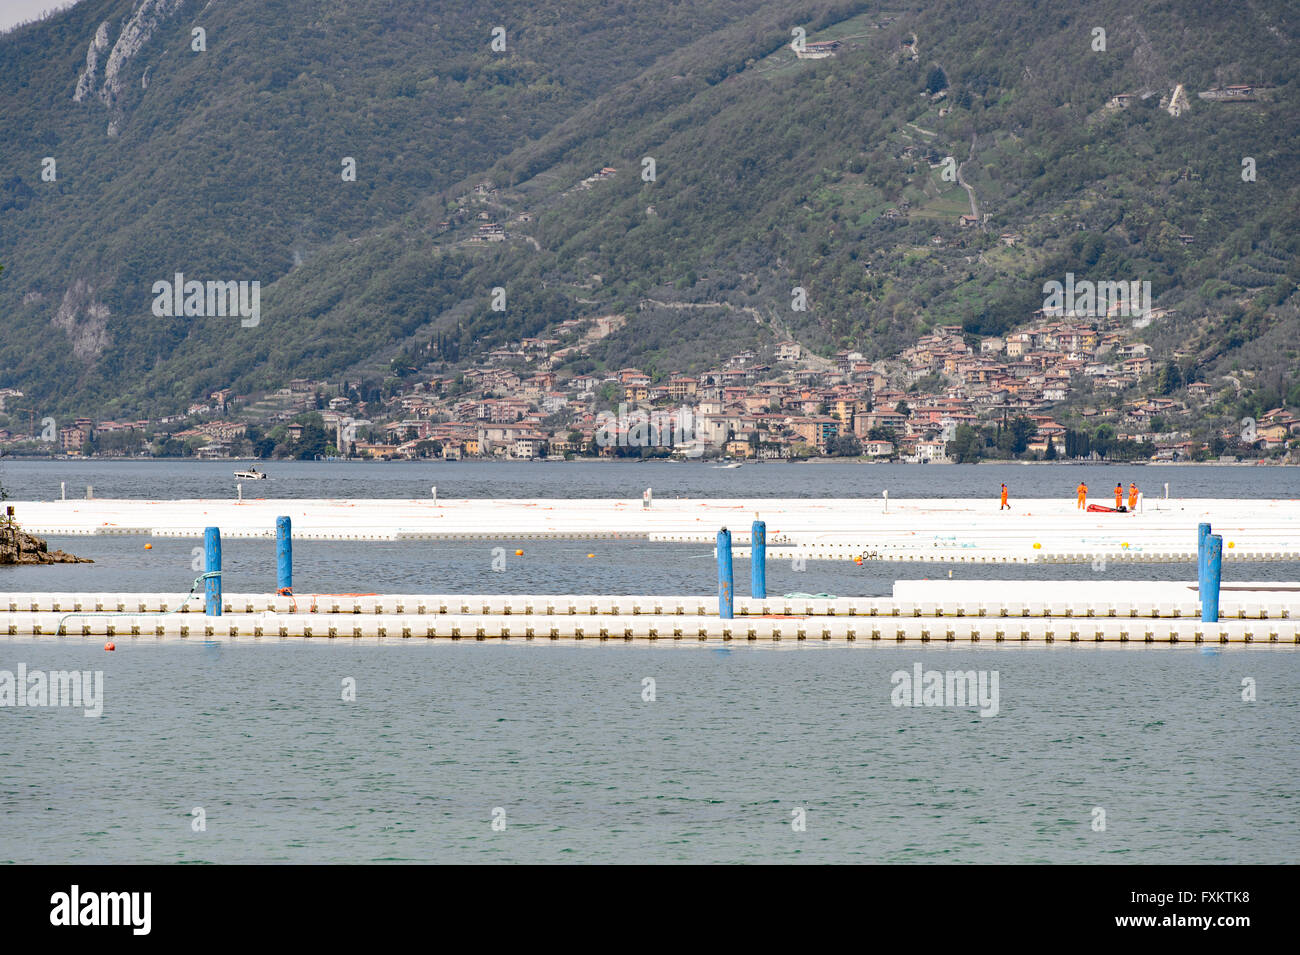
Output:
x=966 y=446
x=1022 y=432
x=846 y=446
x=314 y=439
x=1168 y=379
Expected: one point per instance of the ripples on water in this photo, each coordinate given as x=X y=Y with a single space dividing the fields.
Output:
x=559 y=737
x=547 y=567
x=39 y=480
x=559 y=567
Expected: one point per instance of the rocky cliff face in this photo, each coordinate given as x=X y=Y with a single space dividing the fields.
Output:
x=19 y=547
x=86 y=81
x=135 y=33
x=85 y=321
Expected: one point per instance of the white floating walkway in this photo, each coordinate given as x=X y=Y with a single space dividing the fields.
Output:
x=933 y=530
x=677 y=628
x=996 y=611
x=911 y=598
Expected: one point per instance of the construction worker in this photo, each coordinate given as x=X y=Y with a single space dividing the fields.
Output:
x=1082 y=491
x=1132 y=496
x=1119 y=496
x=1005 y=505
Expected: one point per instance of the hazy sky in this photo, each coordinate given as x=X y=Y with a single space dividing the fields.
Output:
x=13 y=12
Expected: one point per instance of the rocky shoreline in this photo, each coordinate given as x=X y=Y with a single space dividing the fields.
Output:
x=19 y=547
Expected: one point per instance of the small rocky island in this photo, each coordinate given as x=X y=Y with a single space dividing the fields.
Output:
x=19 y=547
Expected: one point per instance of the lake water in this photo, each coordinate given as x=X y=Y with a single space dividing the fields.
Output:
x=39 y=480
x=617 y=567
x=559 y=738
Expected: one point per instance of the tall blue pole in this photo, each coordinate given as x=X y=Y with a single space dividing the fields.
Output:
x=212 y=565
x=1202 y=532
x=1213 y=578
x=726 y=590
x=283 y=555
x=758 y=560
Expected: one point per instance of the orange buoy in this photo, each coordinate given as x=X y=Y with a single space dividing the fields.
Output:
x=148 y=546
x=591 y=555
x=519 y=553
x=110 y=646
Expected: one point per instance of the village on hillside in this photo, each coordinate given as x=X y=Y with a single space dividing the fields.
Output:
x=948 y=396
x=1062 y=385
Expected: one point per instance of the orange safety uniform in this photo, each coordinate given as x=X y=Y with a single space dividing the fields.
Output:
x=1119 y=496
x=1132 y=497
x=1083 y=493
x=1004 y=497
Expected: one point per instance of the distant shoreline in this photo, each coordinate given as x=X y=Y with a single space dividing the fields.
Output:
x=715 y=462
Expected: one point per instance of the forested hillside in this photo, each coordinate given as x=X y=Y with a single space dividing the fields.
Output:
x=770 y=172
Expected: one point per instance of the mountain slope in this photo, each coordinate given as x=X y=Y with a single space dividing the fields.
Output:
x=226 y=163
x=772 y=173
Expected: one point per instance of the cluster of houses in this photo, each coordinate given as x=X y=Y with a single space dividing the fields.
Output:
x=519 y=402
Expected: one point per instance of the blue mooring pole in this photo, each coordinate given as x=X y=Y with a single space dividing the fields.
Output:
x=212 y=565
x=758 y=560
x=1202 y=532
x=726 y=590
x=283 y=555
x=1213 y=578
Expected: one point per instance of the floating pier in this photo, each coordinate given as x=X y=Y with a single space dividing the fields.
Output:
x=940 y=611
x=995 y=611
x=931 y=530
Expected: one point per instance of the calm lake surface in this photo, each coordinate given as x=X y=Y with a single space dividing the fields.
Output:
x=39 y=480
x=617 y=567
x=559 y=739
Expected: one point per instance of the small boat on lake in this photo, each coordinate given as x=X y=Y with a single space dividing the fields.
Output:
x=252 y=474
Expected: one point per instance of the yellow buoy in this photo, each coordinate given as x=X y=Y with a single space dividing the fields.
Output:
x=1037 y=546
x=1232 y=543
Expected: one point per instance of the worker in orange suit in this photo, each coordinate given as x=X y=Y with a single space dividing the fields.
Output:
x=1005 y=505
x=1082 y=491
x=1119 y=496
x=1132 y=496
